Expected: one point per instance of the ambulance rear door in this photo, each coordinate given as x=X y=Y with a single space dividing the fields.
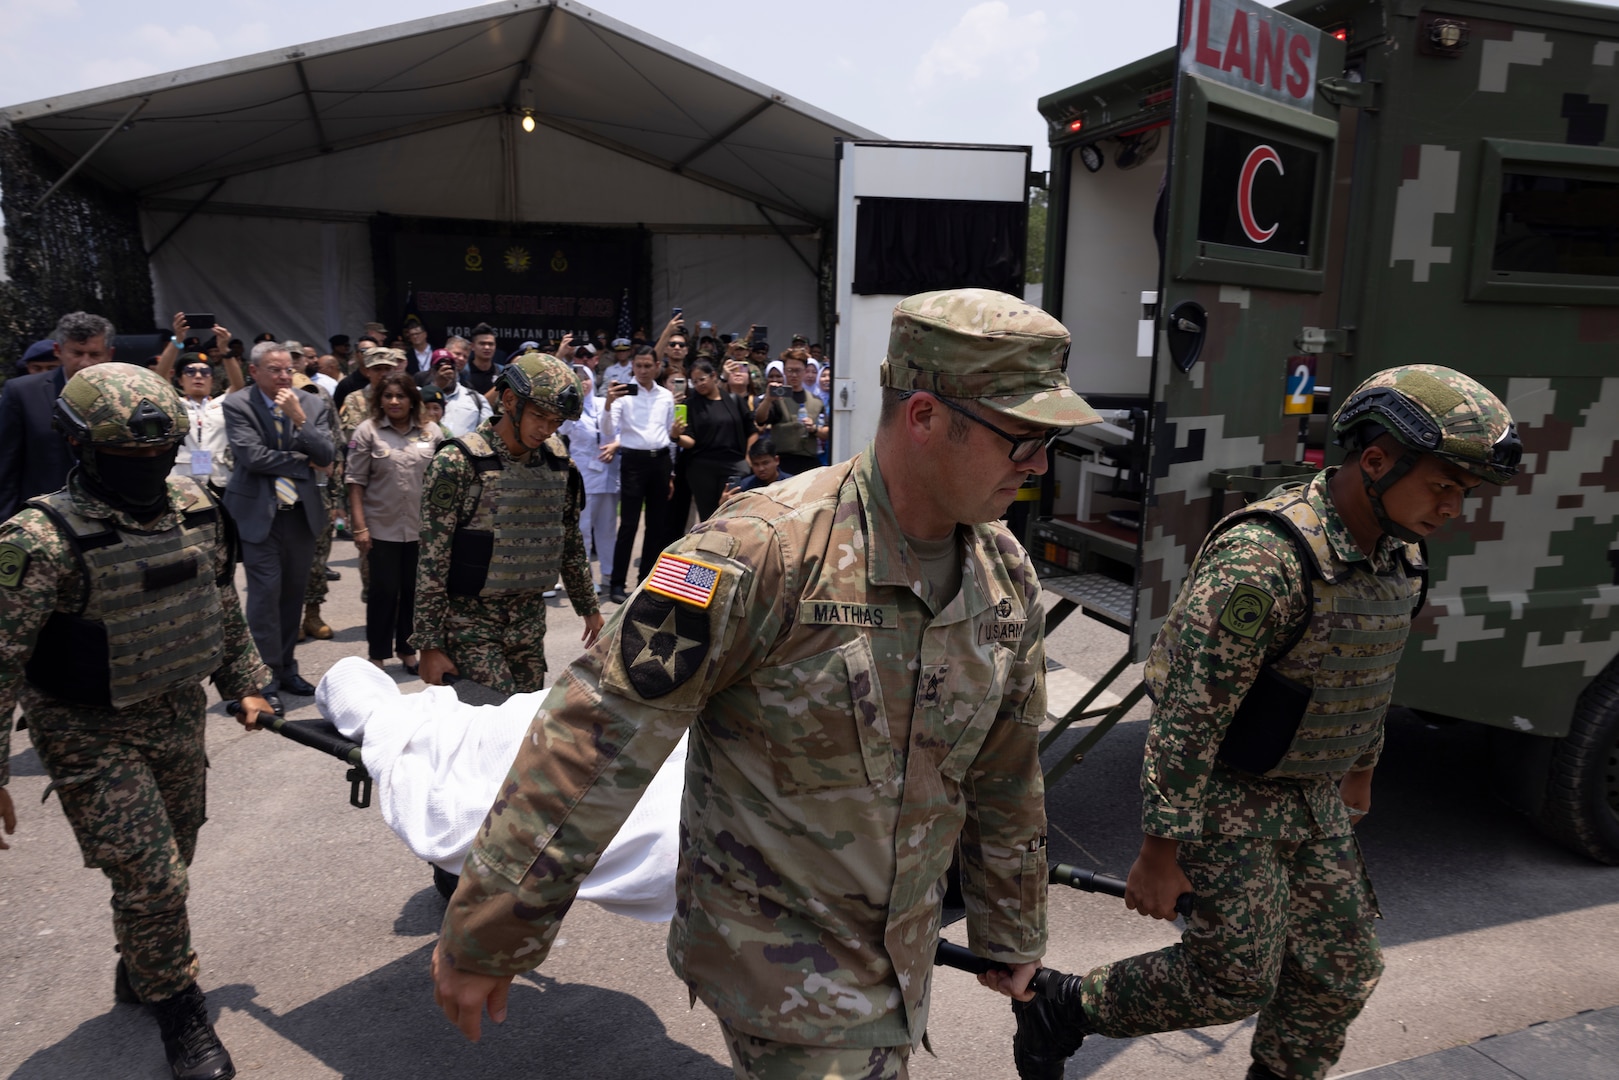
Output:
x=1247 y=293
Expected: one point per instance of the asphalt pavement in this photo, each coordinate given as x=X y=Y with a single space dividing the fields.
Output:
x=315 y=924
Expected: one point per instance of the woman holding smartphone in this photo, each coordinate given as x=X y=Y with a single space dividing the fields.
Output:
x=713 y=439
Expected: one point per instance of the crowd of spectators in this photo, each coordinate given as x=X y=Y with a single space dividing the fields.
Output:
x=302 y=445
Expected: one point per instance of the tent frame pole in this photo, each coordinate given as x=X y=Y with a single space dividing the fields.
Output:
x=88 y=154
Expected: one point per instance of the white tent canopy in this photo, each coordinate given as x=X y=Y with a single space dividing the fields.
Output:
x=258 y=177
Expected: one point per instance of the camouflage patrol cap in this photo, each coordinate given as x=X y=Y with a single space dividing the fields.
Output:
x=987 y=346
x=116 y=404
x=547 y=382
x=383 y=357
x=1435 y=410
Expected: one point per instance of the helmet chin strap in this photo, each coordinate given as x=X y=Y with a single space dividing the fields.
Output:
x=1374 y=494
x=517 y=425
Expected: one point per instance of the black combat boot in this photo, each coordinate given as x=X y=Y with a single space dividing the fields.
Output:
x=1049 y=1028
x=194 y=1051
x=1256 y=1071
x=123 y=991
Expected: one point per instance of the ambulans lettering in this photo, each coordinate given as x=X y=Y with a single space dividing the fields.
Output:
x=1260 y=155
x=1244 y=44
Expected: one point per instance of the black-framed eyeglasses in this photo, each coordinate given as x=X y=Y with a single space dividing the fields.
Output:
x=1024 y=447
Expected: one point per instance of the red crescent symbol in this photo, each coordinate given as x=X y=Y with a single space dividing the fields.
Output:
x=1258 y=156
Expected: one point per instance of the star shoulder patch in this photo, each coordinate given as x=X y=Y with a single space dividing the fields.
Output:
x=688 y=580
x=1245 y=610
x=662 y=643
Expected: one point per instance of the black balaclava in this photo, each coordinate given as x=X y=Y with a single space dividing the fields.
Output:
x=136 y=485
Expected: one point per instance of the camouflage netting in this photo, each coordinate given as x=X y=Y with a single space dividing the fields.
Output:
x=81 y=251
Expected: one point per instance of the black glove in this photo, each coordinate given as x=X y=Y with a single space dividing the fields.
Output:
x=1049 y=1028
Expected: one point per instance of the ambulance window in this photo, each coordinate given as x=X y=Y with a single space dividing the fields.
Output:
x=1557 y=225
x=1259 y=192
x=1546 y=228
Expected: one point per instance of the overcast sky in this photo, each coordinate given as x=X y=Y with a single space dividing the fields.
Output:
x=930 y=70
x=933 y=70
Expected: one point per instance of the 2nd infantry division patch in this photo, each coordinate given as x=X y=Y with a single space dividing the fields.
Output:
x=1245 y=611
x=13 y=565
x=662 y=643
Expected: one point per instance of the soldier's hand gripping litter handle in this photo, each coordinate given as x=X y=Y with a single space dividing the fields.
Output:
x=1050 y=1026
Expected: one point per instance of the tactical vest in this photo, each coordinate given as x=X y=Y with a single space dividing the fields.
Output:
x=1318 y=705
x=150 y=618
x=512 y=543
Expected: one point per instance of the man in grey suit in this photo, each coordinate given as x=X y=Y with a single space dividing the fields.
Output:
x=277 y=436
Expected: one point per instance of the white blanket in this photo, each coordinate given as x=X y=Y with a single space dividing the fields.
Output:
x=438 y=764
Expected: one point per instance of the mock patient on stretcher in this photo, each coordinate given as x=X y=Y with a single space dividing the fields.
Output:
x=439 y=762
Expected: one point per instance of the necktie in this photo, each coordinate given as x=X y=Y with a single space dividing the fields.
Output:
x=286 y=492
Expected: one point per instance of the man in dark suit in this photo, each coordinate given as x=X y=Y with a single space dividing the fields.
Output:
x=275 y=435
x=34 y=459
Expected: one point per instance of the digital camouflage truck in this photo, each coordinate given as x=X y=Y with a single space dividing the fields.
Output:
x=1244 y=228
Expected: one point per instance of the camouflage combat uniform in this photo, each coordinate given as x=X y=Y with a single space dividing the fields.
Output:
x=846 y=729
x=494 y=628
x=356 y=409
x=131 y=777
x=333 y=493
x=1284 y=918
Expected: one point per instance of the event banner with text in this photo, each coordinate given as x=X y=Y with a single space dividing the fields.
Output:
x=528 y=282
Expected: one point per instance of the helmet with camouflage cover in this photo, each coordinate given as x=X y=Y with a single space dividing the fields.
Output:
x=116 y=404
x=545 y=381
x=1433 y=410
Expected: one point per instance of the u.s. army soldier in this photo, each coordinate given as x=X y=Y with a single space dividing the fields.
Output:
x=1271 y=679
x=500 y=518
x=858 y=656
x=116 y=600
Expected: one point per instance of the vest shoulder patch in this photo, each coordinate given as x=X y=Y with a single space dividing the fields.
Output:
x=442 y=494
x=13 y=565
x=1246 y=610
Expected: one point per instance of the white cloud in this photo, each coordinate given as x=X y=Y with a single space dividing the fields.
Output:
x=988 y=38
x=184 y=43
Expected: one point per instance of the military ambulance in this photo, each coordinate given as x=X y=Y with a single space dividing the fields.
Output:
x=1244 y=228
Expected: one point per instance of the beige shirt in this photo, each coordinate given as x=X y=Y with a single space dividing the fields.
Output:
x=389 y=467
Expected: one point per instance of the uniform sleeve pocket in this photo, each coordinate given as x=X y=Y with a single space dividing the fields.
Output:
x=973 y=714
x=823 y=723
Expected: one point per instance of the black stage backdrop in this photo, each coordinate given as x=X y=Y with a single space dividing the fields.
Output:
x=528 y=281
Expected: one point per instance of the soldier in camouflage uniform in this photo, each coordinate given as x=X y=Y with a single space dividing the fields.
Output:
x=116 y=598
x=858 y=655
x=331 y=493
x=376 y=363
x=1272 y=677
x=500 y=518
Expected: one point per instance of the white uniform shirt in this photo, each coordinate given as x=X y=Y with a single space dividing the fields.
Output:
x=642 y=421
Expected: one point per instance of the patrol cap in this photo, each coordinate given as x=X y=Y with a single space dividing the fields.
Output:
x=987 y=346
x=381 y=357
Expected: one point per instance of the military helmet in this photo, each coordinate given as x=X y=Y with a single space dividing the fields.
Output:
x=116 y=404
x=547 y=382
x=1434 y=410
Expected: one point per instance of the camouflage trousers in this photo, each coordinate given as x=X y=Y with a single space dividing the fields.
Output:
x=499 y=641
x=315 y=591
x=132 y=783
x=1281 y=928
x=761 y=1059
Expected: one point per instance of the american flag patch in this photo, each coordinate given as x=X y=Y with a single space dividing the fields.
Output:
x=684 y=579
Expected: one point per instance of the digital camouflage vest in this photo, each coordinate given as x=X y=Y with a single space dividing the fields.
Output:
x=149 y=619
x=513 y=541
x=1318 y=704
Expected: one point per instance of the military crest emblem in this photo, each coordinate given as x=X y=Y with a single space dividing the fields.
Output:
x=662 y=643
